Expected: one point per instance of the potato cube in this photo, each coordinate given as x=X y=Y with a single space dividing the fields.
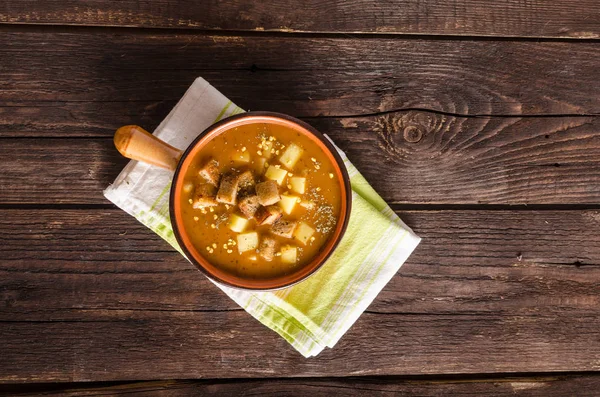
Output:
x=259 y=165
x=290 y=157
x=237 y=223
x=303 y=233
x=242 y=157
x=298 y=184
x=287 y=203
x=289 y=254
x=266 y=149
x=276 y=174
x=308 y=204
x=247 y=241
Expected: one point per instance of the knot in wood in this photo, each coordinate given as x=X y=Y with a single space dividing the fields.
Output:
x=412 y=134
x=408 y=134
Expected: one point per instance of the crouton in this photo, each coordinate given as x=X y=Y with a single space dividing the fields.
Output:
x=284 y=228
x=268 y=215
x=266 y=249
x=267 y=193
x=249 y=205
x=245 y=180
x=210 y=172
x=228 y=189
x=246 y=185
x=204 y=196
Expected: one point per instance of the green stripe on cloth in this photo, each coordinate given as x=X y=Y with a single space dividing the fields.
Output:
x=220 y=115
x=165 y=190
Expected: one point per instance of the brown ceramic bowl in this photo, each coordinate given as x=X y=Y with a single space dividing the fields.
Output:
x=134 y=142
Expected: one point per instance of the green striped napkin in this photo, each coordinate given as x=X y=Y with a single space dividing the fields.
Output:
x=317 y=312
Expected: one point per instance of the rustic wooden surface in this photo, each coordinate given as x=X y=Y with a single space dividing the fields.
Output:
x=548 y=18
x=483 y=118
x=497 y=160
x=472 y=145
x=307 y=75
x=102 y=285
x=546 y=386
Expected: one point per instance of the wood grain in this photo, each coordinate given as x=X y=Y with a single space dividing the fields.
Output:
x=469 y=262
x=551 y=18
x=89 y=294
x=89 y=83
x=455 y=160
x=548 y=386
x=98 y=297
x=420 y=157
x=57 y=171
x=103 y=346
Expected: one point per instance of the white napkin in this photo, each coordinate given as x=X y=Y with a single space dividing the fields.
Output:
x=317 y=312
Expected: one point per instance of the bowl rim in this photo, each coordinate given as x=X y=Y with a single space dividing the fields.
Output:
x=223 y=277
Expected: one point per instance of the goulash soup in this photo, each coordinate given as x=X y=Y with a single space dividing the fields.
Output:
x=260 y=200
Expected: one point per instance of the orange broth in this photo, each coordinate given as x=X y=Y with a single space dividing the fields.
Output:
x=318 y=207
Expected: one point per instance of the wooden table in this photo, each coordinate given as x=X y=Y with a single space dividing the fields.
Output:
x=477 y=121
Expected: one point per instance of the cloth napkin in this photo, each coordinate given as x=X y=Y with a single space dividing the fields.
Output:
x=317 y=312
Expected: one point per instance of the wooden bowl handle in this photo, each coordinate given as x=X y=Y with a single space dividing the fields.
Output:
x=136 y=143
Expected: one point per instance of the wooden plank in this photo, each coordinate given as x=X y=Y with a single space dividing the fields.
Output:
x=533 y=261
x=115 y=262
x=85 y=301
x=453 y=160
x=543 y=386
x=550 y=18
x=57 y=171
x=146 y=345
x=108 y=79
x=418 y=157
x=163 y=345
x=51 y=82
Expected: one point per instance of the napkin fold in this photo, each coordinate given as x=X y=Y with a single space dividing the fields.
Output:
x=317 y=312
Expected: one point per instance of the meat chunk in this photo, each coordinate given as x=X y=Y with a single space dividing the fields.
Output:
x=284 y=228
x=267 y=193
x=228 y=189
x=266 y=249
x=249 y=205
x=204 y=196
x=268 y=215
x=210 y=172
